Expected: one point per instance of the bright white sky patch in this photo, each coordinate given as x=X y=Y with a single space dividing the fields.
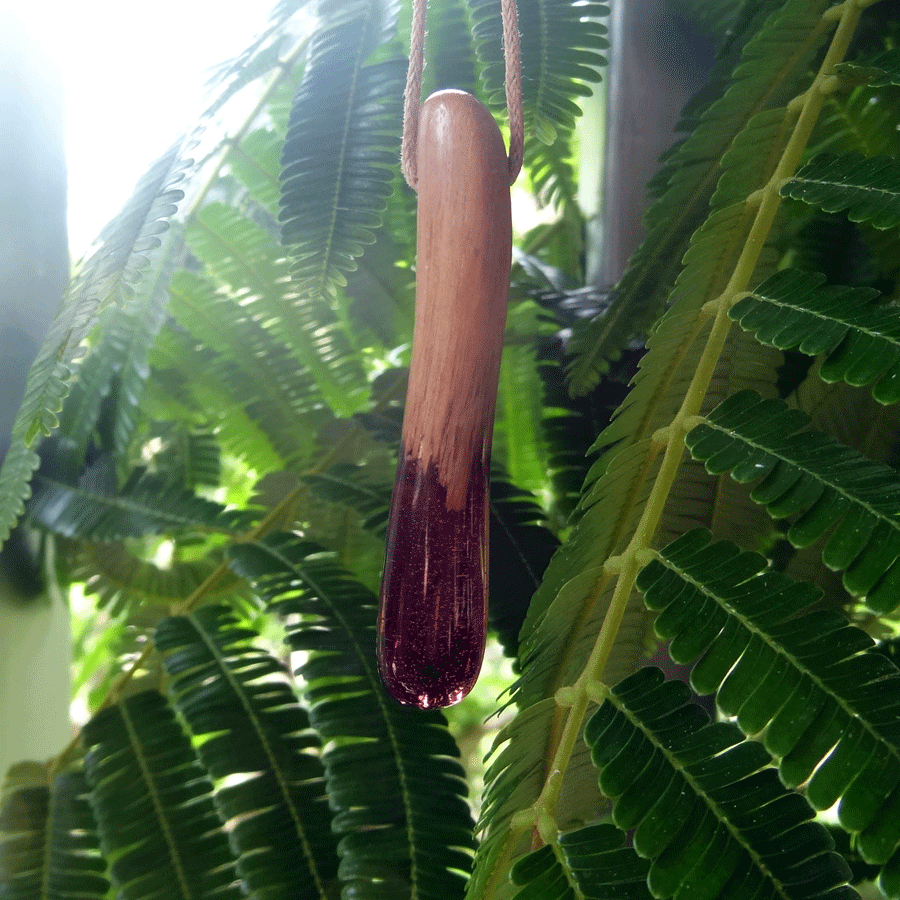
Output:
x=134 y=77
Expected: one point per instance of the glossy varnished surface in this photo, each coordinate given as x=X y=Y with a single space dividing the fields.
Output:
x=433 y=605
x=433 y=609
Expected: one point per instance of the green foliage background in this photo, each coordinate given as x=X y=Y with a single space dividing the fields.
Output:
x=209 y=435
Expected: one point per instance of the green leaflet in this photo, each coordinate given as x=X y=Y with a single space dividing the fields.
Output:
x=340 y=153
x=414 y=832
x=48 y=838
x=595 y=860
x=87 y=505
x=861 y=337
x=250 y=270
x=238 y=696
x=808 y=475
x=868 y=190
x=768 y=70
x=105 y=278
x=706 y=806
x=878 y=70
x=153 y=804
x=560 y=43
x=826 y=707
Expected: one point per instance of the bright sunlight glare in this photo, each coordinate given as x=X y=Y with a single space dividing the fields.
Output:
x=134 y=76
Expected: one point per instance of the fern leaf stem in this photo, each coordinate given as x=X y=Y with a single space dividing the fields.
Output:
x=269 y=524
x=233 y=143
x=589 y=686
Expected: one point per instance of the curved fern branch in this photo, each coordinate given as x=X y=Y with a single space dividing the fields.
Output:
x=727 y=253
x=237 y=696
x=718 y=823
x=416 y=840
x=868 y=190
x=106 y=278
x=807 y=474
x=826 y=707
x=153 y=803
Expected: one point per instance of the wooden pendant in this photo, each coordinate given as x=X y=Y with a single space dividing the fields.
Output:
x=433 y=612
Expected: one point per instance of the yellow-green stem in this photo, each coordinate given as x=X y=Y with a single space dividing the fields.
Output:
x=589 y=686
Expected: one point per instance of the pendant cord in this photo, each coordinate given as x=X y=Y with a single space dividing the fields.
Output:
x=411 y=97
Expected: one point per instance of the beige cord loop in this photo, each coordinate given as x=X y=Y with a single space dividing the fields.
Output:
x=412 y=95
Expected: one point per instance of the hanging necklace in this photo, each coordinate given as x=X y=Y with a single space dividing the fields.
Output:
x=433 y=611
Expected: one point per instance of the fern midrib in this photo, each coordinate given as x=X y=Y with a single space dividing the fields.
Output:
x=778 y=647
x=661 y=249
x=373 y=679
x=889 y=519
x=321 y=278
x=589 y=684
x=698 y=790
x=171 y=842
x=274 y=767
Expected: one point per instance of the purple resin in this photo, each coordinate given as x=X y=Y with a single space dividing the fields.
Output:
x=433 y=613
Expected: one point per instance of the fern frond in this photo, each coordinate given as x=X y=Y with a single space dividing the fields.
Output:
x=75 y=866
x=861 y=121
x=257 y=167
x=236 y=367
x=878 y=70
x=560 y=44
x=89 y=509
x=117 y=579
x=118 y=361
x=717 y=822
x=810 y=476
x=106 y=278
x=48 y=838
x=449 y=49
x=859 y=336
x=413 y=838
x=518 y=441
x=237 y=696
x=189 y=459
x=246 y=264
x=520 y=549
x=153 y=804
x=23 y=830
x=868 y=190
x=341 y=147
x=595 y=860
x=827 y=708
x=353 y=486
x=771 y=70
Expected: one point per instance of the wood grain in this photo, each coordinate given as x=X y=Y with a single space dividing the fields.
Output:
x=433 y=612
x=464 y=240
